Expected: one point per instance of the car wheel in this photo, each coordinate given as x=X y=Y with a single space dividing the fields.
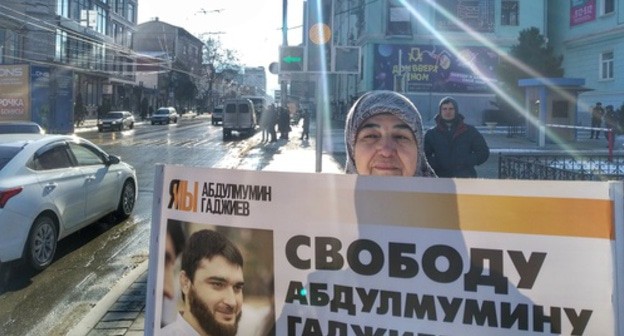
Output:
x=153 y=123
x=126 y=201
x=175 y=121
x=100 y=130
x=41 y=244
x=131 y=125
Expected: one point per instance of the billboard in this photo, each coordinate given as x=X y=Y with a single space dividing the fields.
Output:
x=418 y=68
x=41 y=80
x=14 y=92
x=582 y=11
x=361 y=255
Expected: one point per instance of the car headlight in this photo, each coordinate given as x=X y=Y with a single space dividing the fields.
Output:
x=114 y=122
x=99 y=122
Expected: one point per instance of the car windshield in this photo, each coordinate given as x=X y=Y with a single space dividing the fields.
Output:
x=162 y=112
x=114 y=115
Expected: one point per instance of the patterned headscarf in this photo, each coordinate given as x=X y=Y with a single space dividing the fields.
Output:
x=381 y=102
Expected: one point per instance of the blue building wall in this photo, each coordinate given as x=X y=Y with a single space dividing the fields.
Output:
x=423 y=17
x=582 y=45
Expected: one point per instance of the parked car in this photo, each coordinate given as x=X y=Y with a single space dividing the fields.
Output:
x=18 y=126
x=239 y=115
x=217 y=115
x=165 y=115
x=116 y=120
x=52 y=186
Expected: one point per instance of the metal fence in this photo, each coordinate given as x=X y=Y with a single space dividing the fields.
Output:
x=560 y=166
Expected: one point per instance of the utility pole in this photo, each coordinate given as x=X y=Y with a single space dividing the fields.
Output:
x=283 y=83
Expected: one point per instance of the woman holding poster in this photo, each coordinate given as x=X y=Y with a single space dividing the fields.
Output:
x=384 y=136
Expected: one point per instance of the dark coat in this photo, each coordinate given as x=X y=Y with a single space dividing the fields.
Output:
x=456 y=151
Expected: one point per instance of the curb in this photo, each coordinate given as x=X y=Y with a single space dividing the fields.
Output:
x=101 y=308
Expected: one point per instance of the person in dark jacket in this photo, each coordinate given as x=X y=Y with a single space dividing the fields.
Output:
x=596 y=120
x=272 y=122
x=305 y=130
x=453 y=148
x=283 y=123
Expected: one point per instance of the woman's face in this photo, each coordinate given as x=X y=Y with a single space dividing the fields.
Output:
x=385 y=145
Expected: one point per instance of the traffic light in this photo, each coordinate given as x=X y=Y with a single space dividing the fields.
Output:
x=347 y=60
x=319 y=58
x=319 y=35
x=291 y=59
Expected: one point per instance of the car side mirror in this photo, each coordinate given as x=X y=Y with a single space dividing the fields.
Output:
x=113 y=159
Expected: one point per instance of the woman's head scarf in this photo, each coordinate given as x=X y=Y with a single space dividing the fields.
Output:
x=385 y=102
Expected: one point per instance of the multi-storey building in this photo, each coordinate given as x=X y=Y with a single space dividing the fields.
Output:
x=590 y=36
x=430 y=49
x=71 y=49
x=254 y=80
x=180 y=51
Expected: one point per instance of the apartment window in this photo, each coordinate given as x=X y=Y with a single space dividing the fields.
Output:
x=128 y=39
x=9 y=47
x=131 y=14
x=119 y=6
x=398 y=20
x=62 y=8
x=61 y=54
x=76 y=7
x=99 y=53
x=608 y=6
x=509 y=13
x=606 y=65
x=101 y=21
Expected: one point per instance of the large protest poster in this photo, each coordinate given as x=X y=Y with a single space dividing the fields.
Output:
x=353 y=255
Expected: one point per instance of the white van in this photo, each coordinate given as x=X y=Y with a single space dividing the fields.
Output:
x=238 y=115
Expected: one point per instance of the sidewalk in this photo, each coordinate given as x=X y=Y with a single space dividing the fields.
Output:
x=122 y=310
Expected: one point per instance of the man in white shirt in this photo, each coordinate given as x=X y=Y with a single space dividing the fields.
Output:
x=211 y=280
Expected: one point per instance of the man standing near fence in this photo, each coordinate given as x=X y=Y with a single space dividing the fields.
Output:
x=453 y=148
x=596 y=120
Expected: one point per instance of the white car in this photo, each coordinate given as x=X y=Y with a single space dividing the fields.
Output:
x=165 y=115
x=20 y=126
x=52 y=186
x=116 y=120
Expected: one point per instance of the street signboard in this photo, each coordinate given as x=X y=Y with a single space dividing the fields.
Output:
x=291 y=59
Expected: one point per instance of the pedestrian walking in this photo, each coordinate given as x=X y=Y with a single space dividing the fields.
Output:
x=270 y=118
x=305 y=129
x=454 y=148
x=284 y=123
x=596 y=120
x=264 y=125
x=611 y=121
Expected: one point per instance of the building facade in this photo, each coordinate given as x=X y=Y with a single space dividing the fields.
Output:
x=431 y=49
x=74 y=50
x=181 y=55
x=590 y=35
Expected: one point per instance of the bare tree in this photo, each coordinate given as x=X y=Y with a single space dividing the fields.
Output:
x=216 y=59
